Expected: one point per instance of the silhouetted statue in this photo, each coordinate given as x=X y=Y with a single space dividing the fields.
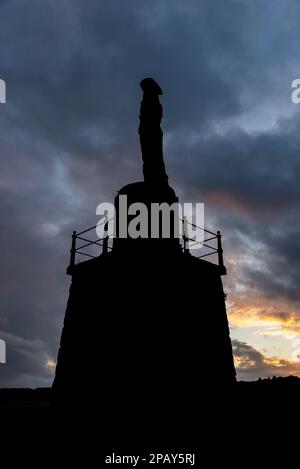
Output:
x=145 y=335
x=151 y=135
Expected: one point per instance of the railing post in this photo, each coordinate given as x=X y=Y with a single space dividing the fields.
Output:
x=184 y=237
x=220 y=254
x=72 y=254
x=105 y=239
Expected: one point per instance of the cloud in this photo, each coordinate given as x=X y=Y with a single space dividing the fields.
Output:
x=252 y=364
x=69 y=141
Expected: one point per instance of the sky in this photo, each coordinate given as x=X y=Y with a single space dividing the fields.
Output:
x=69 y=141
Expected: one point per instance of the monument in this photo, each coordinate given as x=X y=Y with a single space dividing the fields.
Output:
x=145 y=330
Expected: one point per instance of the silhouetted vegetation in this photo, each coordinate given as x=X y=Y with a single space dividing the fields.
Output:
x=274 y=381
x=18 y=398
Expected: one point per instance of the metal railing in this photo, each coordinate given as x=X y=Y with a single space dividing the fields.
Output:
x=104 y=244
x=212 y=249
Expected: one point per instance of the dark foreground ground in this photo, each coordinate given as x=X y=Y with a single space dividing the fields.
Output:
x=22 y=400
x=252 y=424
x=14 y=400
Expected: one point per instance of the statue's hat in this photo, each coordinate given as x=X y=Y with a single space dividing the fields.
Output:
x=149 y=85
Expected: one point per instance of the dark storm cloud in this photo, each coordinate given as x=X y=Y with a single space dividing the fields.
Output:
x=267 y=166
x=282 y=278
x=273 y=243
x=69 y=136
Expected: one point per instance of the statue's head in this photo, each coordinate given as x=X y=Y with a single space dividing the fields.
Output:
x=150 y=86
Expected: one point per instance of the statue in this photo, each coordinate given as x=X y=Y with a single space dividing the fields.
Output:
x=151 y=135
x=152 y=331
